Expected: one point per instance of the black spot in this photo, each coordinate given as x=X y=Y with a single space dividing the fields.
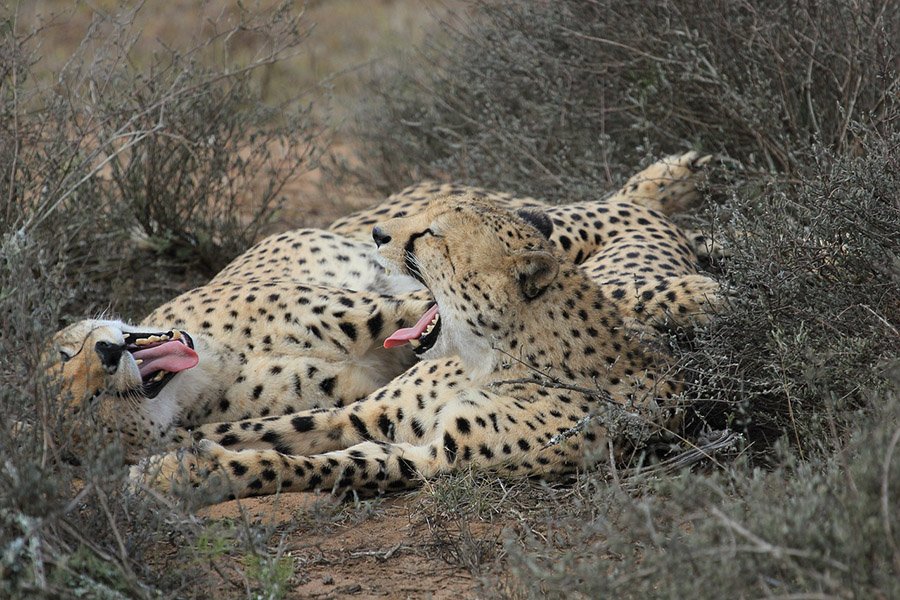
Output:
x=327 y=385
x=298 y=388
x=224 y=405
x=223 y=428
x=229 y=440
x=407 y=469
x=237 y=468
x=302 y=424
x=374 y=324
x=417 y=428
x=485 y=451
x=349 y=330
x=386 y=426
x=268 y=475
x=257 y=392
x=450 y=448
x=271 y=437
x=315 y=481
x=360 y=427
x=463 y=425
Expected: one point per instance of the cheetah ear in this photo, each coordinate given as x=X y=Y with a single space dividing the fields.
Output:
x=538 y=219
x=536 y=270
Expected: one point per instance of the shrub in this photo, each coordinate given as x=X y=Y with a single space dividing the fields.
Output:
x=179 y=152
x=562 y=99
x=823 y=527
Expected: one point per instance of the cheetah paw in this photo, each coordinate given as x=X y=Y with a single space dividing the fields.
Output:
x=194 y=473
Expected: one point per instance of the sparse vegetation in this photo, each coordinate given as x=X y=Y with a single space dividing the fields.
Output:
x=174 y=161
x=561 y=100
x=120 y=185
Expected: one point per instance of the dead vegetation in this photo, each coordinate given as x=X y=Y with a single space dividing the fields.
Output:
x=560 y=100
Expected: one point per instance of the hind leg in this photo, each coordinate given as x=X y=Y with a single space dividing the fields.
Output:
x=668 y=186
x=666 y=303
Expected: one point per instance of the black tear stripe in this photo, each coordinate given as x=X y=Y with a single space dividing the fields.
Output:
x=409 y=252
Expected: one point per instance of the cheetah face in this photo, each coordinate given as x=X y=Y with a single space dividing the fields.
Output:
x=483 y=265
x=110 y=357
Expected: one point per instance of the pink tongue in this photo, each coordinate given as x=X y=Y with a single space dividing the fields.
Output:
x=171 y=356
x=401 y=336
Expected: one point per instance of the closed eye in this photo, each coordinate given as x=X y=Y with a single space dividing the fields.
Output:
x=432 y=232
x=64 y=356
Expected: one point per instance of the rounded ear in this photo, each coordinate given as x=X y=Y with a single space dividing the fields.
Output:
x=538 y=219
x=536 y=270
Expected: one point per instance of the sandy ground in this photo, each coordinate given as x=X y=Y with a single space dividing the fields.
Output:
x=390 y=553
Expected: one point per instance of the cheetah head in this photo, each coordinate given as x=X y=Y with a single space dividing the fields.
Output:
x=124 y=375
x=485 y=268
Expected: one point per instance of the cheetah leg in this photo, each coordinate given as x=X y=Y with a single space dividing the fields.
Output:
x=668 y=185
x=705 y=246
x=672 y=303
x=217 y=473
x=303 y=433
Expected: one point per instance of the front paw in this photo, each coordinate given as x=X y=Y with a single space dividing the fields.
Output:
x=195 y=474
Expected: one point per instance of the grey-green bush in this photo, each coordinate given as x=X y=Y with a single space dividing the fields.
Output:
x=120 y=186
x=563 y=100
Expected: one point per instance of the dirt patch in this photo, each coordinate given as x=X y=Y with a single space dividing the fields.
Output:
x=391 y=553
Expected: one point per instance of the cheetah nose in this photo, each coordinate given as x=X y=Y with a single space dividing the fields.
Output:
x=380 y=236
x=109 y=354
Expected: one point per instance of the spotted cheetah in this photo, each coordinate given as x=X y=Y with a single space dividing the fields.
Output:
x=668 y=186
x=519 y=349
x=344 y=256
x=232 y=350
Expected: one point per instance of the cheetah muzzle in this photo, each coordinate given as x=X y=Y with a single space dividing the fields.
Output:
x=422 y=336
x=159 y=357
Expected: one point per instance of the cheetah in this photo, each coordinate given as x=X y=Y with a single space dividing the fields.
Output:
x=228 y=351
x=317 y=257
x=519 y=350
x=668 y=186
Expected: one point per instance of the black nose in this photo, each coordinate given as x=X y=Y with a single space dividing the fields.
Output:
x=380 y=236
x=109 y=354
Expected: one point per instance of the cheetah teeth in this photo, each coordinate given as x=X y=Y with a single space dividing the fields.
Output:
x=153 y=339
x=159 y=376
x=431 y=325
x=415 y=343
x=138 y=361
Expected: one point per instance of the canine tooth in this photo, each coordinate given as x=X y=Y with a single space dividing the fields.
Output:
x=142 y=342
x=176 y=335
x=139 y=361
x=159 y=376
x=415 y=343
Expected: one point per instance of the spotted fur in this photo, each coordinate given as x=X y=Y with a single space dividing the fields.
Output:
x=266 y=347
x=532 y=364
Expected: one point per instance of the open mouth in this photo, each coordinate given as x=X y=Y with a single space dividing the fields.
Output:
x=420 y=336
x=160 y=356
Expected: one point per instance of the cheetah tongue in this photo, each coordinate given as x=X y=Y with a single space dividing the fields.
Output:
x=401 y=336
x=171 y=356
